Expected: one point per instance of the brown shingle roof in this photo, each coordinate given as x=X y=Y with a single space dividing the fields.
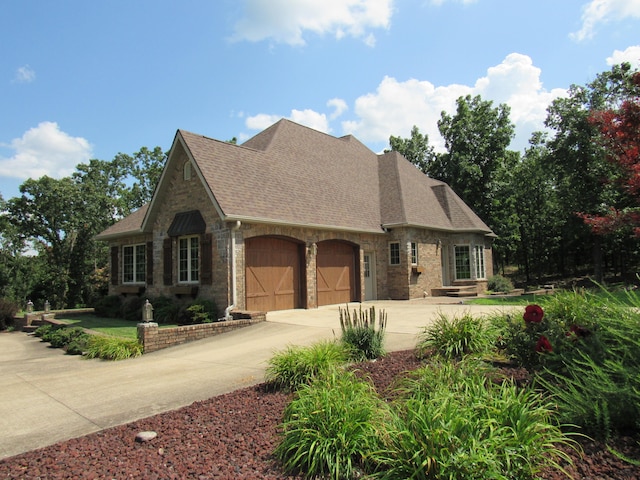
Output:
x=130 y=224
x=291 y=174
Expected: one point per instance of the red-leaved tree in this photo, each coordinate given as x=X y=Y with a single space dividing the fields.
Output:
x=621 y=136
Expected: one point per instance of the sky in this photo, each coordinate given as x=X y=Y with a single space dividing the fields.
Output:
x=83 y=79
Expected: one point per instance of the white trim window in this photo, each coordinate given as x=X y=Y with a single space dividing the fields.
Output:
x=463 y=262
x=478 y=251
x=414 y=253
x=134 y=263
x=394 y=253
x=189 y=259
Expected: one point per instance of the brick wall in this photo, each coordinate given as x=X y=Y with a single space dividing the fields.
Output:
x=153 y=338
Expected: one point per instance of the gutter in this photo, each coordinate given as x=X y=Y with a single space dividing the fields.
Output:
x=234 y=285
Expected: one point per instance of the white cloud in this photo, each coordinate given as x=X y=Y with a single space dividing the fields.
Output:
x=631 y=55
x=603 y=11
x=45 y=150
x=339 y=107
x=283 y=21
x=308 y=117
x=440 y=2
x=24 y=74
x=396 y=106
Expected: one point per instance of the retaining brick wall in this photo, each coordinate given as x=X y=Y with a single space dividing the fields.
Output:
x=153 y=338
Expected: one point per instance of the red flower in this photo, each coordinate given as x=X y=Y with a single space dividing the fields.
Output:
x=543 y=345
x=533 y=314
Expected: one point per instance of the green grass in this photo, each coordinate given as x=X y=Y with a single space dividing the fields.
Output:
x=502 y=300
x=618 y=295
x=114 y=327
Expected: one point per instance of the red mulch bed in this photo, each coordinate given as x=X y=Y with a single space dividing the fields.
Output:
x=232 y=436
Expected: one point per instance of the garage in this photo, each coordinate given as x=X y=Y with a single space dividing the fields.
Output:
x=336 y=272
x=272 y=278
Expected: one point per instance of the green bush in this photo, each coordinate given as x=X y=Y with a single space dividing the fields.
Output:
x=166 y=309
x=359 y=334
x=455 y=337
x=46 y=331
x=201 y=311
x=593 y=372
x=112 y=348
x=296 y=366
x=331 y=428
x=451 y=421
x=498 y=283
x=61 y=337
x=132 y=308
x=8 y=310
x=109 y=306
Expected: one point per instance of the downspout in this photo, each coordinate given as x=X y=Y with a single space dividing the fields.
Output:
x=234 y=286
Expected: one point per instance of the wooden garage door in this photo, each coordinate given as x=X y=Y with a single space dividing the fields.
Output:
x=272 y=274
x=336 y=272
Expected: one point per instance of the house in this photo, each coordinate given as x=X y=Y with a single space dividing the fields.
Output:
x=296 y=218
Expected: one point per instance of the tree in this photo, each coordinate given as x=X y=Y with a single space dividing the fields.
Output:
x=537 y=209
x=476 y=139
x=620 y=131
x=583 y=178
x=415 y=149
x=60 y=218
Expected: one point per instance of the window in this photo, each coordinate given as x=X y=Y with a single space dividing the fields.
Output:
x=134 y=264
x=414 y=253
x=463 y=262
x=188 y=259
x=394 y=253
x=186 y=171
x=479 y=259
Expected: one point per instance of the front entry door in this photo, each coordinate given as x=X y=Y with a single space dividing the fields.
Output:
x=369 y=276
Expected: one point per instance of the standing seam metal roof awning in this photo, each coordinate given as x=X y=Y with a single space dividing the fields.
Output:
x=187 y=223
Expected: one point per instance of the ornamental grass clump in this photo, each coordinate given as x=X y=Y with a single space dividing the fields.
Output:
x=112 y=348
x=584 y=349
x=453 y=422
x=359 y=333
x=455 y=337
x=331 y=428
x=296 y=366
x=596 y=376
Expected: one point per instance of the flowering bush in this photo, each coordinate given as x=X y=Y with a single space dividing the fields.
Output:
x=533 y=314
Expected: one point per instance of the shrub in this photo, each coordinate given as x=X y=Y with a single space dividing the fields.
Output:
x=455 y=337
x=453 y=422
x=132 y=308
x=593 y=372
x=331 y=428
x=201 y=311
x=109 y=306
x=359 y=334
x=61 y=337
x=498 y=283
x=112 y=348
x=8 y=310
x=297 y=366
x=166 y=309
x=47 y=331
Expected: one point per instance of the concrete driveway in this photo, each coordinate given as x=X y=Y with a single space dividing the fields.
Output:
x=47 y=396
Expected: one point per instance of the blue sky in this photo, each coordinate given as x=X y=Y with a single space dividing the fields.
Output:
x=82 y=80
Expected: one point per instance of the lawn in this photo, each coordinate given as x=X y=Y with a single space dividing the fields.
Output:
x=116 y=327
x=620 y=296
